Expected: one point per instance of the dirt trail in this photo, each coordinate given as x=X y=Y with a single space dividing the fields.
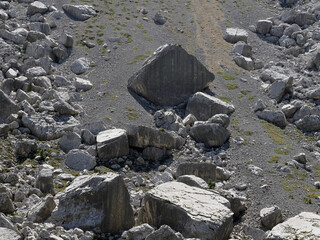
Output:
x=209 y=34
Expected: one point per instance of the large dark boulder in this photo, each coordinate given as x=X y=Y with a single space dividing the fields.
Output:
x=170 y=76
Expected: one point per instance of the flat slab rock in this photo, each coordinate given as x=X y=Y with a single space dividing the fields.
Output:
x=305 y=225
x=6 y=233
x=194 y=212
x=170 y=76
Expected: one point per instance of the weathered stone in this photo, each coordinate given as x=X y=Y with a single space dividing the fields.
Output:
x=79 y=160
x=305 y=18
x=45 y=181
x=49 y=128
x=40 y=27
x=264 y=26
x=314 y=93
x=193 y=181
x=12 y=36
x=80 y=65
x=270 y=216
x=6 y=205
x=244 y=62
x=70 y=141
x=79 y=12
x=142 y=137
x=206 y=171
x=303 y=226
x=66 y=39
x=64 y=108
x=170 y=76
x=192 y=211
x=212 y=134
x=5 y=223
x=93 y=201
x=234 y=35
x=159 y=19
x=36 y=7
x=40 y=212
x=243 y=49
x=8 y=107
x=112 y=143
x=222 y=119
x=87 y=137
x=165 y=232
x=276 y=117
x=279 y=88
x=204 y=106
x=138 y=233
x=25 y=148
x=309 y=123
x=82 y=84
x=6 y=233
x=153 y=153
x=189 y=120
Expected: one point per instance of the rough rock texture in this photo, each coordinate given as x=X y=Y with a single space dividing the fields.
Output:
x=95 y=201
x=271 y=216
x=142 y=136
x=43 y=210
x=192 y=181
x=276 y=117
x=204 y=106
x=79 y=12
x=212 y=135
x=70 y=141
x=192 y=211
x=45 y=181
x=79 y=160
x=7 y=106
x=206 y=171
x=112 y=143
x=6 y=233
x=305 y=225
x=170 y=76
x=165 y=232
x=234 y=35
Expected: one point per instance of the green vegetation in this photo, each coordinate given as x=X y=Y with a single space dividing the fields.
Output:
x=274 y=132
x=232 y=86
x=274 y=159
x=225 y=99
x=226 y=76
x=282 y=151
x=132 y=113
x=211 y=184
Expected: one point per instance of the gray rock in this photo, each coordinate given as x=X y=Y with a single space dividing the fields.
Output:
x=159 y=19
x=4 y=129
x=309 y=123
x=79 y=160
x=154 y=153
x=271 y=216
x=35 y=72
x=87 y=137
x=36 y=7
x=82 y=84
x=66 y=39
x=244 y=62
x=61 y=53
x=236 y=201
x=70 y=141
x=8 y=107
x=255 y=233
x=34 y=36
x=222 y=174
x=165 y=232
x=314 y=93
x=80 y=65
x=5 y=223
x=64 y=108
x=193 y=181
x=12 y=36
x=277 y=31
x=112 y=143
x=138 y=232
x=42 y=82
x=301 y=158
x=264 y=26
x=234 y=35
x=211 y=134
x=79 y=12
x=25 y=148
x=189 y=120
x=6 y=233
x=171 y=83
x=303 y=226
x=142 y=137
x=206 y=171
x=222 y=119
x=188 y=210
x=276 y=117
x=6 y=205
x=243 y=49
x=40 y=27
x=44 y=181
x=305 y=18
x=49 y=128
x=204 y=106
x=93 y=201
x=40 y=212
x=279 y=88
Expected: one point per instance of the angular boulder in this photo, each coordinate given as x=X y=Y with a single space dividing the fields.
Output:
x=93 y=201
x=36 y=7
x=8 y=107
x=112 y=143
x=276 y=117
x=44 y=181
x=264 y=26
x=79 y=160
x=142 y=137
x=305 y=225
x=212 y=134
x=244 y=62
x=79 y=12
x=234 y=35
x=204 y=106
x=194 y=212
x=206 y=171
x=309 y=123
x=170 y=76
x=69 y=141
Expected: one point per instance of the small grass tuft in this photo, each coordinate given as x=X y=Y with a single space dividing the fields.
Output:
x=232 y=86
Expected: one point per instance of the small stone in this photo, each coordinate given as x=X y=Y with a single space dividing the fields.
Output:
x=270 y=217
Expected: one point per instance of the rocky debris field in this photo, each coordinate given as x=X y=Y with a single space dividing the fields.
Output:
x=163 y=120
